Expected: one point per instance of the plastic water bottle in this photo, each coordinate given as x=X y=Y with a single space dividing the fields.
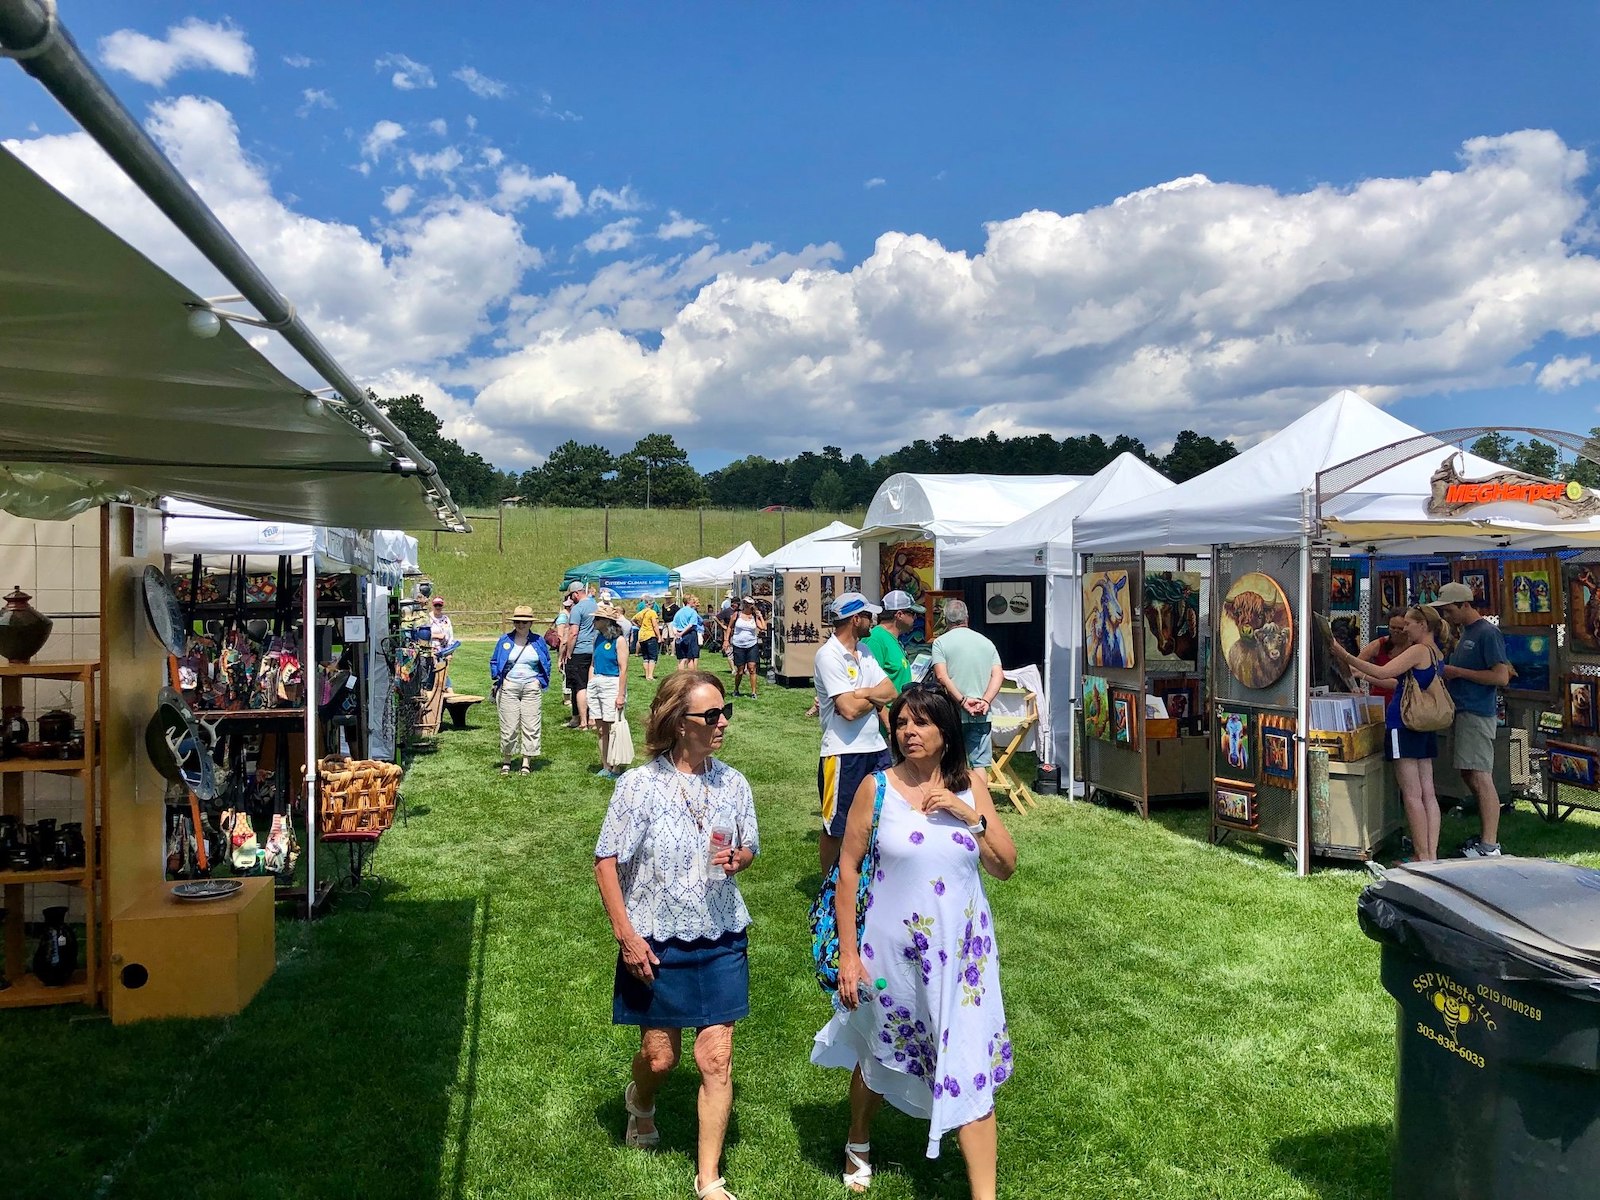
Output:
x=721 y=839
x=866 y=991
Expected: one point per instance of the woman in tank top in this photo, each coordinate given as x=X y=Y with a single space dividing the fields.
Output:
x=1411 y=752
x=745 y=630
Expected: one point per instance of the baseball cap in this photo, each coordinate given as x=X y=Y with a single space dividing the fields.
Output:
x=1455 y=593
x=852 y=604
x=575 y=586
x=438 y=601
x=901 y=602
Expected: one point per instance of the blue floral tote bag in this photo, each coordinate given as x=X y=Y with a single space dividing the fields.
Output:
x=824 y=918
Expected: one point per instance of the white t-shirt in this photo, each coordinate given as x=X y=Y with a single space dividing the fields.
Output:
x=837 y=671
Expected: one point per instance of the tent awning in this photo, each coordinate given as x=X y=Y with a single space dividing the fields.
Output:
x=102 y=381
x=630 y=578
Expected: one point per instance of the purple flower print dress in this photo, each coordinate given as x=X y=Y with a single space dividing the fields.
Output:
x=933 y=1041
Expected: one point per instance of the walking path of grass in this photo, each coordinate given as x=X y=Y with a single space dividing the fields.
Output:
x=1189 y=1021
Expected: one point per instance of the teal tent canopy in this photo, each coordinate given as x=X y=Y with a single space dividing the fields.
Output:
x=628 y=577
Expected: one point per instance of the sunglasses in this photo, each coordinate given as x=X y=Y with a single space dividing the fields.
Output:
x=711 y=714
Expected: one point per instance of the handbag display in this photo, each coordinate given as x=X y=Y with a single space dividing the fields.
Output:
x=825 y=918
x=1426 y=709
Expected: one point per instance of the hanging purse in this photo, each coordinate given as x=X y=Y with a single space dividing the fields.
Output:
x=824 y=917
x=1426 y=709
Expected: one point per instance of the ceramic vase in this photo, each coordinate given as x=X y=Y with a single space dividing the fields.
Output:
x=57 y=956
x=23 y=630
x=13 y=729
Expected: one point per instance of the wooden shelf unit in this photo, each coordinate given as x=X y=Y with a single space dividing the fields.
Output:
x=25 y=990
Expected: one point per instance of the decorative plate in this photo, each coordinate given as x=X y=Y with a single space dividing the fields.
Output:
x=161 y=607
x=207 y=889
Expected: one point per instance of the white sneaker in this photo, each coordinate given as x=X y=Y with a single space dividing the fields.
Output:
x=1482 y=850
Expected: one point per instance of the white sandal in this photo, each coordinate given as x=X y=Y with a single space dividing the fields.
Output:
x=859 y=1179
x=715 y=1185
x=632 y=1137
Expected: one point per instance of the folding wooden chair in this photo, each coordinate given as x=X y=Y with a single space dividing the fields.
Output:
x=1002 y=779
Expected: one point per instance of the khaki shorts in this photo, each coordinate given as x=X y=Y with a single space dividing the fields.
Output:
x=603 y=697
x=1472 y=742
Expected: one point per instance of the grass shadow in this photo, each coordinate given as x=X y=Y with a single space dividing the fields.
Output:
x=899 y=1144
x=1347 y=1163
x=677 y=1109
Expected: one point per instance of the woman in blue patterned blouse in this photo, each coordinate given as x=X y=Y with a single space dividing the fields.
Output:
x=678 y=829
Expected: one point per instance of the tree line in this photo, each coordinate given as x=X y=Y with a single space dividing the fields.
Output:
x=656 y=470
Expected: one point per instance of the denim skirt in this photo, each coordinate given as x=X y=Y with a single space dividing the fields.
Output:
x=699 y=983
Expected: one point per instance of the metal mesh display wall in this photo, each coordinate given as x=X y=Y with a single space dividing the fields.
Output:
x=1275 y=801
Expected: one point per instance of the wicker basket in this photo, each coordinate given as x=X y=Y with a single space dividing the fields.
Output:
x=357 y=796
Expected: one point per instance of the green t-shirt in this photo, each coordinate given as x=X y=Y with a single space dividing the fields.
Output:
x=969 y=659
x=885 y=649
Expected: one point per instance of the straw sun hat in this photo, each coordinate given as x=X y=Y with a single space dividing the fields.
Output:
x=522 y=613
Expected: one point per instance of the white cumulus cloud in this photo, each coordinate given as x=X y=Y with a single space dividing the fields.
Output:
x=438 y=127
x=397 y=200
x=417 y=292
x=191 y=44
x=409 y=75
x=1561 y=372
x=481 y=85
x=877 y=181
x=618 y=235
x=624 y=199
x=441 y=162
x=314 y=98
x=518 y=185
x=679 y=226
x=380 y=137
x=298 y=61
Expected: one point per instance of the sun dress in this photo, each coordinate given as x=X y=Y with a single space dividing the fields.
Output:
x=933 y=1041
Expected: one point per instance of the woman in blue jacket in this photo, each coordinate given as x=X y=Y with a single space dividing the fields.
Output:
x=520 y=671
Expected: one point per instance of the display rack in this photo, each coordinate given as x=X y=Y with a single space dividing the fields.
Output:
x=25 y=990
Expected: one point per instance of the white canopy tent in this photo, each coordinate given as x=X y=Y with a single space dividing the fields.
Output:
x=824 y=549
x=1041 y=543
x=948 y=510
x=190 y=528
x=719 y=571
x=697 y=572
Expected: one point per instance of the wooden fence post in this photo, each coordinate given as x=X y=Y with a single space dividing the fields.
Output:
x=608 y=529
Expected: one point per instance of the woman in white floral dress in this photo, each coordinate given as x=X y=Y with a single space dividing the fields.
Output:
x=919 y=1018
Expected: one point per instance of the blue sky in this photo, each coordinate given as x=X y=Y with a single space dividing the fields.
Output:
x=765 y=227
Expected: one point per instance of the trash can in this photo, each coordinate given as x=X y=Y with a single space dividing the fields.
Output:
x=1495 y=965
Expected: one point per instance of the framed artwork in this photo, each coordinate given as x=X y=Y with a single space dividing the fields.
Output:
x=1529 y=655
x=1234 y=749
x=1391 y=594
x=905 y=567
x=1583 y=691
x=1530 y=593
x=1583 y=607
x=933 y=622
x=1234 y=805
x=1342 y=589
x=1426 y=580
x=1008 y=603
x=1482 y=575
x=1096 y=708
x=1278 y=756
x=1572 y=765
x=1552 y=720
x=1257 y=630
x=1126 y=709
x=1108 y=639
x=1182 y=698
x=1171 y=619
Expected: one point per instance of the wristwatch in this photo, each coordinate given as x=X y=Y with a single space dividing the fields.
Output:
x=980 y=828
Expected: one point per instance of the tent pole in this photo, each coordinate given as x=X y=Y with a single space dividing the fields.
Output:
x=308 y=671
x=1303 y=697
x=57 y=63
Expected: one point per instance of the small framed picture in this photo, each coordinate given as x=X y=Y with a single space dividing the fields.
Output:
x=1234 y=804
x=1532 y=593
x=1234 y=742
x=1575 y=766
x=1426 y=580
x=1277 y=749
x=1391 y=595
x=1342 y=589
x=1125 y=714
x=1482 y=575
x=1182 y=698
x=1582 y=693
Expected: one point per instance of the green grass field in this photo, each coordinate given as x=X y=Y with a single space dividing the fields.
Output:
x=541 y=543
x=1190 y=1021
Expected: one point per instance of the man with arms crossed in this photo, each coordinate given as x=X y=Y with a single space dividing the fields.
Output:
x=1477 y=666
x=967 y=666
x=851 y=687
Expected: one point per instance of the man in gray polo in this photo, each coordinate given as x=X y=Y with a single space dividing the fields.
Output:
x=1477 y=667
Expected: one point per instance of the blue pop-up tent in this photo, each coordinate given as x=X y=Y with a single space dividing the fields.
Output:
x=628 y=577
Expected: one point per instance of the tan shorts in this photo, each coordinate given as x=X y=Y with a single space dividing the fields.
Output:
x=1472 y=742
x=603 y=697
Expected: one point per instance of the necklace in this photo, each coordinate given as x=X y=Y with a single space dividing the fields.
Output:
x=700 y=813
x=921 y=788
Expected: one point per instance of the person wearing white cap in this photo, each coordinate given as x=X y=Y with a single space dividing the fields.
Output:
x=851 y=688
x=1477 y=667
x=899 y=615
